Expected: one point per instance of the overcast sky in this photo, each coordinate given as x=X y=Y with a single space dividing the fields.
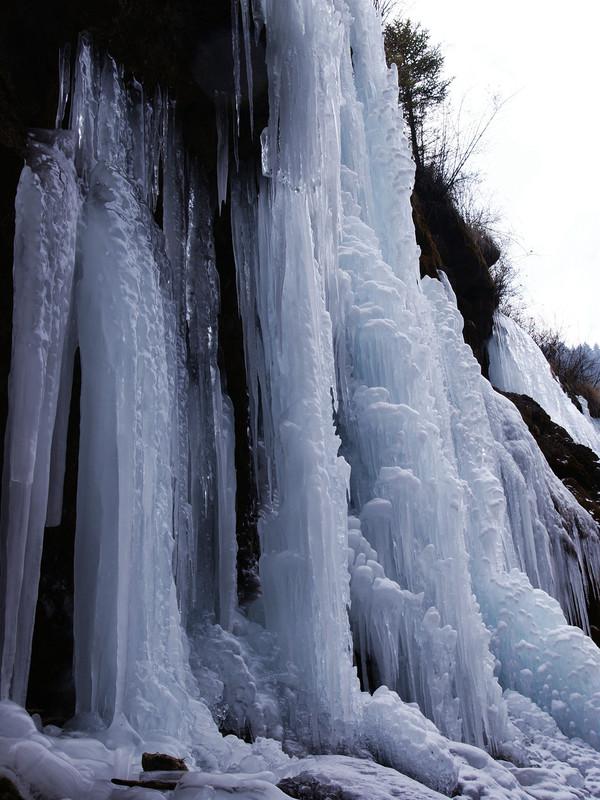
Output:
x=540 y=158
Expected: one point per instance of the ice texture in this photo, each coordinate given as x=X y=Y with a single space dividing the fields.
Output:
x=518 y=365
x=285 y=249
x=421 y=567
x=156 y=469
x=47 y=208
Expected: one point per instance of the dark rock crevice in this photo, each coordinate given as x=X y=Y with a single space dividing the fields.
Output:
x=233 y=369
x=51 y=690
x=447 y=243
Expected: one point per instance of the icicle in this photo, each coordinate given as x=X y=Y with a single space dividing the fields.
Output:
x=258 y=15
x=245 y=12
x=222 y=118
x=175 y=222
x=64 y=81
x=156 y=124
x=226 y=489
x=61 y=428
x=47 y=207
x=84 y=107
x=235 y=52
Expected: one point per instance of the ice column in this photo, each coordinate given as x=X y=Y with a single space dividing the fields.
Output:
x=46 y=219
x=156 y=446
x=285 y=237
x=395 y=417
x=156 y=477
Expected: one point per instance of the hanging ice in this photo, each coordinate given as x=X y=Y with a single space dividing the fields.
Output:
x=47 y=208
x=284 y=238
x=146 y=424
x=518 y=365
x=411 y=531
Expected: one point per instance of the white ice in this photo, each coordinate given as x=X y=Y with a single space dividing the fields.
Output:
x=408 y=519
x=518 y=365
x=47 y=208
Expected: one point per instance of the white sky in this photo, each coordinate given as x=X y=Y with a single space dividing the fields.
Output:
x=540 y=157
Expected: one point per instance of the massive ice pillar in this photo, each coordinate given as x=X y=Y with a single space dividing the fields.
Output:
x=155 y=540
x=47 y=208
x=285 y=225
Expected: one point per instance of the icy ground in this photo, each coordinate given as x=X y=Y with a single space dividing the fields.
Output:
x=544 y=764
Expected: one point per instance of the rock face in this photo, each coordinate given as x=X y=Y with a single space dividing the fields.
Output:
x=447 y=243
x=161 y=762
x=8 y=791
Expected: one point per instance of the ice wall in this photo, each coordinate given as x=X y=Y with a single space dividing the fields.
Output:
x=404 y=482
x=449 y=487
x=47 y=208
x=155 y=542
x=285 y=236
x=411 y=531
x=518 y=365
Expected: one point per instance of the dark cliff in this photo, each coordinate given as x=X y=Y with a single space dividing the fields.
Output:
x=448 y=243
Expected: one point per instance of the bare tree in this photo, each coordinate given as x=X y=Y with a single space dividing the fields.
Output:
x=385 y=9
x=577 y=368
x=454 y=142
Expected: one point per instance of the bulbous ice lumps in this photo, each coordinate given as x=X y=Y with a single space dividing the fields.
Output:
x=522 y=515
x=396 y=416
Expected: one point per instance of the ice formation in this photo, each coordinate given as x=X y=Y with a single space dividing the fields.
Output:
x=421 y=566
x=47 y=208
x=518 y=365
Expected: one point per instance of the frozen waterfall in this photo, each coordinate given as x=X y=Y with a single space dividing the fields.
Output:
x=421 y=567
x=518 y=365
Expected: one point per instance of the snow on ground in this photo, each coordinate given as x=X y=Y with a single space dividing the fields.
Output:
x=544 y=765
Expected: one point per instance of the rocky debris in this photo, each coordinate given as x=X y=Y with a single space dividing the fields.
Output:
x=307 y=787
x=161 y=786
x=349 y=778
x=157 y=763
x=161 y=762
